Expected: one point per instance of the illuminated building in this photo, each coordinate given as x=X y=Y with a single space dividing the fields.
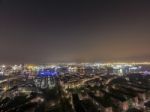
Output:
x=46 y=79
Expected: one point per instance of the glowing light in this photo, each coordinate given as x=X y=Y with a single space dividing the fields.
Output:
x=3 y=66
x=45 y=73
x=134 y=68
x=1 y=73
x=14 y=67
x=5 y=88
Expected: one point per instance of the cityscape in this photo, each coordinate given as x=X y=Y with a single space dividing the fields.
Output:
x=75 y=56
x=75 y=87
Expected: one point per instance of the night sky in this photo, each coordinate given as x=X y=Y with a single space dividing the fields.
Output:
x=40 y=31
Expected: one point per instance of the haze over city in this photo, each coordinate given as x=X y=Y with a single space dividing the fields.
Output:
x=37 y=31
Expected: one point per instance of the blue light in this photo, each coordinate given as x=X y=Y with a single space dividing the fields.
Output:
x=46 y=73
